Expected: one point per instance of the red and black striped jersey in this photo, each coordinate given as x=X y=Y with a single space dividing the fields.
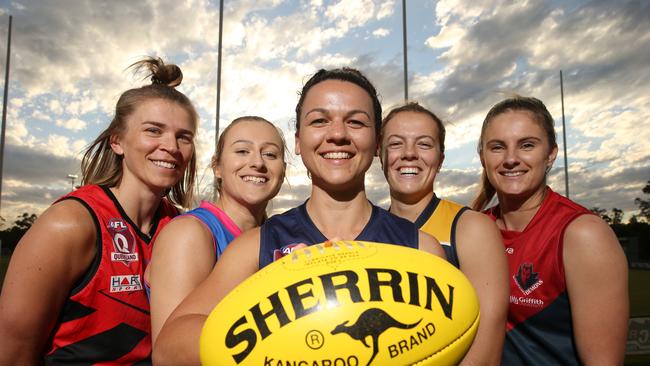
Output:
x=106 y=318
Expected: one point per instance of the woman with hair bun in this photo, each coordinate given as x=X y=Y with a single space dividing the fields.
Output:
x=73 y=291
x=249 y=168
x=567 y=271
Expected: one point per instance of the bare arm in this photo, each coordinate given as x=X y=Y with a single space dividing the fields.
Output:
x=483 y=260
x=54 y=253
x=596 y=276
x=430 y=244
x=178 y=341
x=183 y=256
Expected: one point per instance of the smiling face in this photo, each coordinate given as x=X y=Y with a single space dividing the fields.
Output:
x=336 y=137
x=157 y=144
x=411 y=155
x=251 y=164
x=516 y=154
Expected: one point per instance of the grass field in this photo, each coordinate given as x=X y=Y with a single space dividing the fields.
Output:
x=639 y=302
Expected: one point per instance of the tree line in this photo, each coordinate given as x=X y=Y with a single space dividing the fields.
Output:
x=638 y=225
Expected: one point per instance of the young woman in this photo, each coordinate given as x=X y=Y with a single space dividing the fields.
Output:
x=73 y=291
x=337 y=121
x=249 y=168
x=568 y=273
x=412 y=152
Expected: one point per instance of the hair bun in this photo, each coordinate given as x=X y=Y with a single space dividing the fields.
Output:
x=160 y=73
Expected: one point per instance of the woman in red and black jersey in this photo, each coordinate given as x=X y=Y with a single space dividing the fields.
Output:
x=568 y=273
x=73 y=292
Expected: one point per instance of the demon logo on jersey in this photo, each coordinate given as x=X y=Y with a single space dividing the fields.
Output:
x=527 y=279
x=123 y=242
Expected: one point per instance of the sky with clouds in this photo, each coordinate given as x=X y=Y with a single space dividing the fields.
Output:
x=69 y=57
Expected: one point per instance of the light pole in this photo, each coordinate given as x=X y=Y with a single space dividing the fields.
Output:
x=72 y=178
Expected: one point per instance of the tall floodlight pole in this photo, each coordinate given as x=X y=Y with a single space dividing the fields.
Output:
x=406 y=69
x=216 y=125
x=4 y=107
x=566 y=164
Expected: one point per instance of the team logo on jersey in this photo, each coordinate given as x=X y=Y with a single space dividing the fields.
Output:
x=123 y=242
x=527 y=279
x=287 y=249
x=126 y=283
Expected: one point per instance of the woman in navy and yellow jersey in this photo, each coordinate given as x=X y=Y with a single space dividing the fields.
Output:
x=412 y=152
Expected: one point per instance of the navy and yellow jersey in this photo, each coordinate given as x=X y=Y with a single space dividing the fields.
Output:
x=539 y=327
x=105 y=319
x=439 y=219
x=280 y=234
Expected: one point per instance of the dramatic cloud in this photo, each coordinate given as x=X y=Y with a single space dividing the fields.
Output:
x=69 y=60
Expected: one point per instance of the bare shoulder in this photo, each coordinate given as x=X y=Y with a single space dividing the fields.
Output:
x=69 y=223
x=589 y=239
x=473 y=222
x=587 y=227
x=477 y=233
x=184 y=233
x=430 y=244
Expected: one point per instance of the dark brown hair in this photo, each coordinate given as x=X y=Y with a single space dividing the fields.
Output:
x=101 y=165
x=348 y=74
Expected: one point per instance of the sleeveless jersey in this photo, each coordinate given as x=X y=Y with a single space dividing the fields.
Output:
x=439 y=219
x=539 y=328
x=280 y=234
x=223 y=229
x=106 y=318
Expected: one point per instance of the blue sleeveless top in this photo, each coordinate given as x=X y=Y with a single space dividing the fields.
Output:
x=282 y=233
x=223 y=229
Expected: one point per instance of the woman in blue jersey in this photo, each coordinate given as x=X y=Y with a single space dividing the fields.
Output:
x=73 y=292
x=412 y=152
x=568 y=273
x=249 y=167
x=338 y=120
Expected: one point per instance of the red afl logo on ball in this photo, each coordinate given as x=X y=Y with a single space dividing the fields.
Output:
x=123 y=242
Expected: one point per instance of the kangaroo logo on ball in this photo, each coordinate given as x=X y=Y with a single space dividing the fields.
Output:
x=371 y=323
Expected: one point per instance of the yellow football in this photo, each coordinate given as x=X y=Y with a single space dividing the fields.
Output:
x=345 y=303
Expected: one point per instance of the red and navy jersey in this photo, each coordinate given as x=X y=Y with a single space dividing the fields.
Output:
x=106 y=318
x=280 y=234
x=539 y=328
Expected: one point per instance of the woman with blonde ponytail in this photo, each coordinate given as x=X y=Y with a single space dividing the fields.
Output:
x=567 y=271
x=74 y=292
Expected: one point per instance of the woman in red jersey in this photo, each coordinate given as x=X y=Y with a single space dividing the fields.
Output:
x=568 y=273
x=73 y=292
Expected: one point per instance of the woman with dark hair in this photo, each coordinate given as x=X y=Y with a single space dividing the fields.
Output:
x=338 y=120
x=249 y=168
x=73 y=292
x=568 y=273
x=412 y=153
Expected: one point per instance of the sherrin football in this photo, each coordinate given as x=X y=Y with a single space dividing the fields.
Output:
x=345 y=303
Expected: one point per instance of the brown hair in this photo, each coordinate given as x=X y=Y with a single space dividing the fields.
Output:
x=539 y=114
x=348 y=74
x=216 y=158
x=417 y=108
x=101 y=165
